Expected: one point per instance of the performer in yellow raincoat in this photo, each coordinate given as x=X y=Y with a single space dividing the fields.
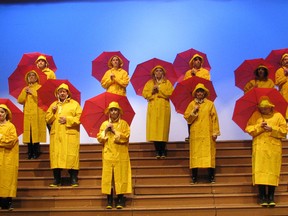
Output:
x=42 y=63
x=261 y=79
x=267 y=128
x=202 y=116
x=116 y=79
x=195 y=64
x=114 y=135
x=281 y=79
x=9 y=158
x=64 y=116
x=157 y=92
x=34 y=117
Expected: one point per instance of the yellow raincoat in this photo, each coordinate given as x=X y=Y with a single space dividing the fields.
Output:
x=119 y=84
x=267 y=147
x=64 y=138
x=9 y=160
x=115 y=158
x=281 y=82
x=203 y=126
x=258 y=84
x=158 y=111
x=202 y=73
x=34 y=117
x=49 y=73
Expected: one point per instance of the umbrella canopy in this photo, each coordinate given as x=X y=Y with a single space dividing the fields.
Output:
x=16 y=80
x=245 y=72
x=181 y=62
x=30 y=58
x=100 y=64
x=182 y=94
x=17 y=115
x=275 y=56
x=93 y=114
x=46 y=94
x=142 y=73
x=248 y=103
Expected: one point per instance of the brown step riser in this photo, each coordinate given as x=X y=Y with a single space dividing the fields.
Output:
x=56 y=193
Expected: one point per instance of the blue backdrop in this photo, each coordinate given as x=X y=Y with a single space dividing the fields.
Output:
x=75 y=32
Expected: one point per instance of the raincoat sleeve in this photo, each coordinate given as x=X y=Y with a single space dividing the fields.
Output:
x=147 y=90
x=9 y=139
x=49 y=73
x=249 y=86
x=122 y=135
x=189 y=116
x=72 y=121
x=106 y=81
x=23 y=95
x=280 y=129
x=215 y=121
x=122 y=78
x=50 y=116
x=187 y=75
x=280 y=77
x=254 y=125
x=101 y=137
x=165 y=90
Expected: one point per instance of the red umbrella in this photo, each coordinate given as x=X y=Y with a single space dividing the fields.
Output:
x=181 y=62
x=248 y=103
x=30 y=58
x=142 y=73
x=93 y=114
x=245 y=72
x=275 y=56
x=17 y=115
x=46 y=94
x=182 y=94
x=100 y=64
x=17 y=81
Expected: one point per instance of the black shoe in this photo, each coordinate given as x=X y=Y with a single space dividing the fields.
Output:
x=120 y=201
x=30 y=151
x=212 y=179
x=74 y=177
x=158 y=155
x=7 y=203
x=194 y=180
x=109 y=202
x=57 y=178
x=270 y=199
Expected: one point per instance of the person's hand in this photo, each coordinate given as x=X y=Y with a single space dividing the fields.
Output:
x=112 y=76
x=286 y=71
x=28 y=90
x=214 y=137
x=54 y=109
x=110 y=128
x=196 y=109
x=155 y=89
x=193 y=72
x=62 y=120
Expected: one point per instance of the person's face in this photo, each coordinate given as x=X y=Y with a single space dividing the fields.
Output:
x=265 y=110
x=32 y=78
x=285 y=61
x=115 y=62
x=114 y=113
x=197 y=62
x=3 y=114
x=158 y=73
x=261 y=72
x=41 y=64
x=62 y=94
x=200 y=94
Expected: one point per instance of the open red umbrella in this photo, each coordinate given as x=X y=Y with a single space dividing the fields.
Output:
x=245 y=72
x=93 y=114
x=17 y=115
x=275 y=56
x=181 y=62
x=16 y=80
x=142 y=73
x=182 y=94
x=46 y=94
x=30 y=58
x=100 y=64
x=248 y=103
